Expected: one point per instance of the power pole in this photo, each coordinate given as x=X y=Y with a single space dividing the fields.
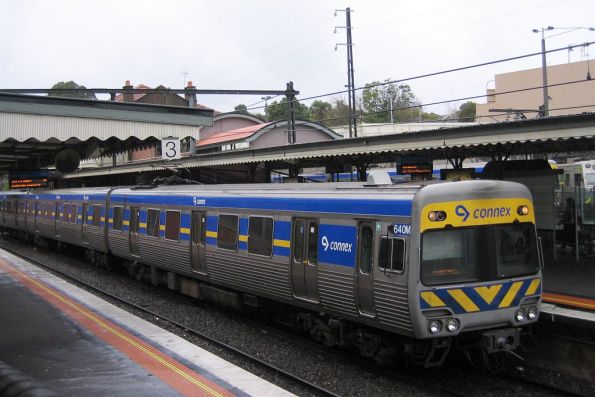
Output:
x=350 y=74
x=290 y=95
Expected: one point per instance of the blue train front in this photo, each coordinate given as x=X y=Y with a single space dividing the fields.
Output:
x=408 y=267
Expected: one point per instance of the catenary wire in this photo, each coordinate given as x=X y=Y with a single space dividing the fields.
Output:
x=458 y=69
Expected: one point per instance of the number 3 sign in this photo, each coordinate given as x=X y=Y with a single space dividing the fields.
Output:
x=170 y=148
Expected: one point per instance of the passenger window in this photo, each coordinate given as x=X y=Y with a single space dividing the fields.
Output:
x=66 y=213
x=227 y=232
x=153 y=223
x=134 y=217
x=96 y=215
x=298 y=242
x=366 y=249
x=392 y=254
x=313 y=244
x=73 y=213
x=117 y=218
x=172 y=225
x=260 y=235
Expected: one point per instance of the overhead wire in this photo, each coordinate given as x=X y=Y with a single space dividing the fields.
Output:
x=421 y=105
x=432 y=74
x=279 y=44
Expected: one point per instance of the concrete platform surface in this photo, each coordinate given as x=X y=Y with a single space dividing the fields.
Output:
x=77 y=344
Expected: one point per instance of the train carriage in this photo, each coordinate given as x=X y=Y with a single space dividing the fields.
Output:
x=429 y=262
x=14 y=210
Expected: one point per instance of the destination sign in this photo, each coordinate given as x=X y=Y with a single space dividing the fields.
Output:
x=24 y=183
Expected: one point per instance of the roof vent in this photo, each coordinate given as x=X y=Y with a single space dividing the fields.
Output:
x=378 y=178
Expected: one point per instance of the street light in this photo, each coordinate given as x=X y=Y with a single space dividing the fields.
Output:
x=546 y=111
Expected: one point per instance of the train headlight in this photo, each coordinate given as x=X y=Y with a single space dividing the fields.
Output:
x=436 y=216
x=520 y=315
x=452 y=325
x=532 y=313
x=434 y=326
x=522 y=210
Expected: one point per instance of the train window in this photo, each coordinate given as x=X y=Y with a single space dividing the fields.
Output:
x=366 y=249
x=449 y=256
x=514 y=252
x=227 y=232
x=313 y=244
x=66 y=213
x=69 y=213
x=96 y=221
x=153 y=223
x=117 y=218
x=134 y=218
x=298 y=241
x=172 y=225
x=391 y=256
x=72 y=208
x=260 y=235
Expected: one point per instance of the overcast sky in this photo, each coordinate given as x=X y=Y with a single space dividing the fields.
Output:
x=264 y=44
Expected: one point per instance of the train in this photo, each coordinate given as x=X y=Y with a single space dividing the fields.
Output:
x=414 y=268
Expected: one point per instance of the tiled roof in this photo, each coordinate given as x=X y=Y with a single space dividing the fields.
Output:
x=233 y=135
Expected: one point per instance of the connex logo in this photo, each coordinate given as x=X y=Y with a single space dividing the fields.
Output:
x=335 y=245
x=460 y=210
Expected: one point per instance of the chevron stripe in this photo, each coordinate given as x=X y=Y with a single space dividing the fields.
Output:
x=463 y=300
x=488 y=293
x=511 y=294
x=482 y=298
x=432 y=299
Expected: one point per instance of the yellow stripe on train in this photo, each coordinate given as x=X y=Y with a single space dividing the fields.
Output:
x=477 y=212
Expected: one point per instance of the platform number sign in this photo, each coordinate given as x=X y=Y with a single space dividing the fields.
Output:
x=170 y=148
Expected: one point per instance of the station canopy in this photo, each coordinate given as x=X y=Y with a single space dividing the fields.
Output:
x=39 y=131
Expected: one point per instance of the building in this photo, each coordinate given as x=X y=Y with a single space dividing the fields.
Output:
x=261 y=135
x=518 y=95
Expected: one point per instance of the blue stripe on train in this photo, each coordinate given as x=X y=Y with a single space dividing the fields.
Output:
x=401 y=207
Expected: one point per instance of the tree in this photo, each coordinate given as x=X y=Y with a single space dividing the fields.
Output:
x=467 y=111
x=241 y=108
x=339 y=114
x=278 y=110
x=81 y=92
x=378 y=100
x=320 y=111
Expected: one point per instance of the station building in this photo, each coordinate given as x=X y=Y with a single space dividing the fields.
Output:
x=519 y=94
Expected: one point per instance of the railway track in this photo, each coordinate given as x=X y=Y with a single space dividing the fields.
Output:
x=425 y=380
x=317 y=390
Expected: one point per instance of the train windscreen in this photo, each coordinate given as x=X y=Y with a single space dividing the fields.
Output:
x=478 y=254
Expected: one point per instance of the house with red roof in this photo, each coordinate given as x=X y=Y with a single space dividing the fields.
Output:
x=264 y=135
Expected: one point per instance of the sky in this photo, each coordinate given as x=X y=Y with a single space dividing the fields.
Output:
x=255 y=45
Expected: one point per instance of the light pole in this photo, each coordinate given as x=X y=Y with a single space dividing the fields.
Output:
x=545 y=110
x=546 y=107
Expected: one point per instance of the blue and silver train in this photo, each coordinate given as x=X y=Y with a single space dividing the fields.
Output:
x=409 y=267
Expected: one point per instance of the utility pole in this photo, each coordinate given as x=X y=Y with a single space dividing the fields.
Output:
x=350 y=74
x=290 y=95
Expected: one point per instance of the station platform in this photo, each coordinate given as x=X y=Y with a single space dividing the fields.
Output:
x=71 y=343
x=570 y=283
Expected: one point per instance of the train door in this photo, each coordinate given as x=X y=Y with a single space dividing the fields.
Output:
x=36 y=214
x=365 y=267
x=198 y=236
x=85 y=222
x=133 y=236
x=56 y=218
x=304 y=259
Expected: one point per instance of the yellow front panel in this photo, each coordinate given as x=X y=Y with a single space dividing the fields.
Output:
x=477 y=212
